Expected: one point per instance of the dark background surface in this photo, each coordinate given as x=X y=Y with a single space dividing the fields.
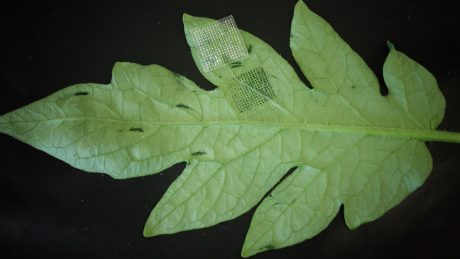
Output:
x=48 y=208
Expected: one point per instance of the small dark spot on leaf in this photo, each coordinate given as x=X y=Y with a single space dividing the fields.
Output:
x=249 y=48
x=136 y=129
x=179 y=79
x=120 y=130
x=80 y=93
x=236 y=64
x=181 y=105
x=291 y=35
x=354 y=86
x=199 y=153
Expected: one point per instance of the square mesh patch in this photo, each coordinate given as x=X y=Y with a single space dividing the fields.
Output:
x=251 y=89
x=219 y=43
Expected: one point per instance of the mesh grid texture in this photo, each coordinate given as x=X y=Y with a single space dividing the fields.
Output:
x=251 y=89
x=219 y=43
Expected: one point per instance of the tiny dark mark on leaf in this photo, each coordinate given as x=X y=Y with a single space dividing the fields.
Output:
x=181 y=105
x=199 y=153
x=80 y=93
x=136 y=129
x=249 y=48
x=236 y=64
x=120 y=130
x=179 y=79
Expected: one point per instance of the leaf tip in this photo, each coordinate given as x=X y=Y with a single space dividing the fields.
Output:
x=150 y=230
x=3 y=124
x=245 y=253
x=390 y=45
x=186 y=17
x=252 y=248
x=352 y=222
x=300 y=4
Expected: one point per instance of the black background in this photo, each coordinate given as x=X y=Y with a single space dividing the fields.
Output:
x=48 y=208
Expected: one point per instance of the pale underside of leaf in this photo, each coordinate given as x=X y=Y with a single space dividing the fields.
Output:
x=350 y=144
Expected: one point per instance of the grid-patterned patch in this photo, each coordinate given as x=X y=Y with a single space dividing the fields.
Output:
x=251 y=89
x=219 y=43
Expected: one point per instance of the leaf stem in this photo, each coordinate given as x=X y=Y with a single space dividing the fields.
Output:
x=418 y=134
x=423 y=135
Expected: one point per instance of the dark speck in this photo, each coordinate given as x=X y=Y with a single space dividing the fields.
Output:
x=181 y=105
x=249 y=48
x=136 y=129
x=80 y=93
x=236 y=64
x=179 y=79
x=198 y=153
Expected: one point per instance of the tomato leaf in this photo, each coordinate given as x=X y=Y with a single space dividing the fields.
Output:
x=348 y=144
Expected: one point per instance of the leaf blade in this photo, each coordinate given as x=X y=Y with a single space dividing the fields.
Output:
x=326 y=60
x=297 y=209
x=104 y=128
x=149 y=118
x=414 y=89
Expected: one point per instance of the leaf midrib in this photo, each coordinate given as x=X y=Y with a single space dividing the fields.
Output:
x=418 y=134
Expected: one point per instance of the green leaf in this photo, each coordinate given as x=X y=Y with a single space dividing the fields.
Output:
x=350 y=145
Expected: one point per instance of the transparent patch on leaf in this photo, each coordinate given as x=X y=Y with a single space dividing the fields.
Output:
x=219 y=43
x=251 y=89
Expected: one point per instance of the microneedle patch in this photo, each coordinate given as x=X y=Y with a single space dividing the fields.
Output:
x=218 y=43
